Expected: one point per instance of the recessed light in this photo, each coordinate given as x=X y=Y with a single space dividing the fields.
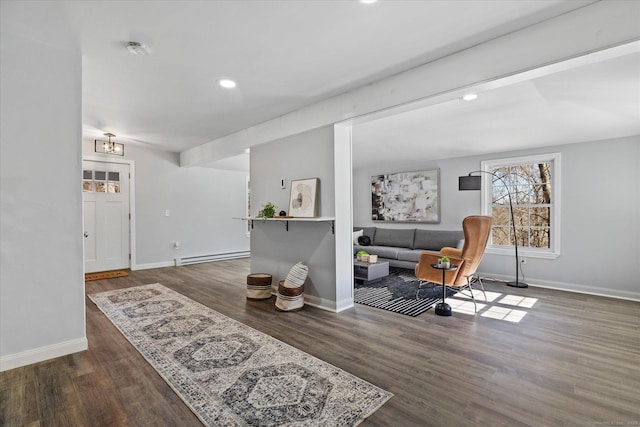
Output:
x=368 y=1
x=226 y=83
x=470 y=96
x=137 y=48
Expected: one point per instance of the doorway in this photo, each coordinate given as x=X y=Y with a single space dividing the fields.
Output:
x=106 y=213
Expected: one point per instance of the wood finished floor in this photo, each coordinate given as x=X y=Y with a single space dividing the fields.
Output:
x=573 y=360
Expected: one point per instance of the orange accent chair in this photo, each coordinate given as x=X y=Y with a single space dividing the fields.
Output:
x=476 y=235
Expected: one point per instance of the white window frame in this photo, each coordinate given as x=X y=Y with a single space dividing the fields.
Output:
x=487 y=192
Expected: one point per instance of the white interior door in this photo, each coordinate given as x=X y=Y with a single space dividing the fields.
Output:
x=106 y=215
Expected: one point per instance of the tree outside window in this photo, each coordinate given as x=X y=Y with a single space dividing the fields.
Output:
x=534 y=195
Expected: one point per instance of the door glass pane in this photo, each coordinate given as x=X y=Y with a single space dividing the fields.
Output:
x=87 y=174
x=114 y=176
x=101 y=187
x=100 y=175
x=113 y=187
x=87 y=186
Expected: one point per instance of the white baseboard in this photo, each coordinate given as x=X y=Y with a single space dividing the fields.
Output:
x=570 y=287
x=192 y=260
x=153 y=265
x=211 y=257
x=329 y=305
x=345 y=304
x=42 y=353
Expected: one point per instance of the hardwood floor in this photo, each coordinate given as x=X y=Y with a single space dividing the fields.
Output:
x=572 y=360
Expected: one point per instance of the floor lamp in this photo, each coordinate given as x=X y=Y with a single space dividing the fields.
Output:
x=474 y=182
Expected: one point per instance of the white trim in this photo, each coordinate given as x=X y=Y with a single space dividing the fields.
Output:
x=41 y=354
x=193 y=260
x=320 y=303
x=522 y=252
x=344 y=305
x=485 y=200
x=154 y=265
x=132 y=203
x=568 y=287
x=247 y=203
x=343 y=225
x=199 y=259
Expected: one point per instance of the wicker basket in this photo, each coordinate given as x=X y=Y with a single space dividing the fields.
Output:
x=259 y=286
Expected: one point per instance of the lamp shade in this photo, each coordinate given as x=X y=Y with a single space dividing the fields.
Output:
x=469 y=183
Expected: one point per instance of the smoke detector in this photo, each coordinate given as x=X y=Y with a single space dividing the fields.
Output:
x=137 y=48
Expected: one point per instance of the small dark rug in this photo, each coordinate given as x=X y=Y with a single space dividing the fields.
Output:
x=397 y=293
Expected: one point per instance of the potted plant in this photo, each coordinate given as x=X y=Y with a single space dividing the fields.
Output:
x=268 y=211
x=444 y=262
x=362 y=256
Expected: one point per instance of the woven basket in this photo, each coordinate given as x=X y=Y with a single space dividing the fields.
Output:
x=259 y=286
x=292 y=292
x=290 y=296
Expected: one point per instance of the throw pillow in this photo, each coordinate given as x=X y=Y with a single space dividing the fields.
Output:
x=297 y=275
x=357 y=234
x=364 y=241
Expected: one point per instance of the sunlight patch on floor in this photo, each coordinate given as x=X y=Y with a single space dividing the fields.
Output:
x=461 y=306
x=479 y=296
x=518 y=301
x=504 y=313
x=499 y=306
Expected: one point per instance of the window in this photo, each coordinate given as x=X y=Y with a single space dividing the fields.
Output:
x=534 y=185
x=96 y=181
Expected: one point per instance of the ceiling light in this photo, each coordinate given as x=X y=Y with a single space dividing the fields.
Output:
x=368 y=1
x=470 y=96
x=137 y=48
x=109 y=147
x=226 y=83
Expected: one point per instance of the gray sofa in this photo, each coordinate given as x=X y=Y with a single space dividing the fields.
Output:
x=402 y=247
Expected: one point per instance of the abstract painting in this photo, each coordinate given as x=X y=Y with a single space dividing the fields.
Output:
x=406 y=197
x=304 y=197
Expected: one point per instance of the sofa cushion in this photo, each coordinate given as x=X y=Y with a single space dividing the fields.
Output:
x=437 y=239
x=367 y=231
x=357 y=234
x=394 y=237
x=381 y=251
x=412 y=255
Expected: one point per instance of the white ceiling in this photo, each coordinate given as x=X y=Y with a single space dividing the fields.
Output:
x=588 y=103
x=283 y=54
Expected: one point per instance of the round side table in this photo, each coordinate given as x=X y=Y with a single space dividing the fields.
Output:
x=442 y=308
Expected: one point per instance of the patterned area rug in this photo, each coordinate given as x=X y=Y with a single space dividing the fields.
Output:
x=398 y=292
x=230 y=374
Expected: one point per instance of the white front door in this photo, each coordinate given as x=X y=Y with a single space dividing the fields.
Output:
x=106 y=215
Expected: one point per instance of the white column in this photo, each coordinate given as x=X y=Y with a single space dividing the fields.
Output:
x=344 y=215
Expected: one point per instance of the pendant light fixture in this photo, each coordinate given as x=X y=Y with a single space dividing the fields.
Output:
x=109 y=147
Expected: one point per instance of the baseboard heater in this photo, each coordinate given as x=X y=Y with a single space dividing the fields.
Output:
x=213 y=257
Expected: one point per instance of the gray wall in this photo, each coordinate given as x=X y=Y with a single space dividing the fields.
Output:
x=273 y=249
x=201 y=202
x=600 y=215
x=41 y=271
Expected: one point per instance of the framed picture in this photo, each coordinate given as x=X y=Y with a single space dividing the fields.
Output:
x=406 y=197
x=304 y=197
